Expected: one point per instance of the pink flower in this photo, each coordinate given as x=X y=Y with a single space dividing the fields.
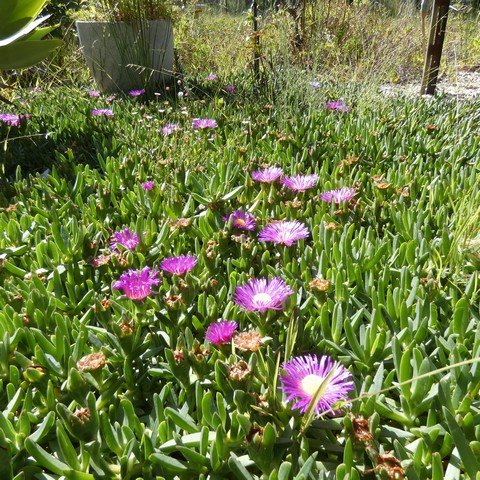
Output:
x=178 y=265
x=220 y=332
x=137 y=284
x=203 y=123
x=93 y=93
x=284 y=232
x=137 y=93
x=339 y=195
x=268 y=175
x=307 y=375
x=98 y=112
x=230 y=88
x=125 y=238
x=338 y=105
x=241 y=220
x=148 y=185
x=261 y=294
x=170 y=128
x=300 y=183
x=12 y=120
x=211 y=78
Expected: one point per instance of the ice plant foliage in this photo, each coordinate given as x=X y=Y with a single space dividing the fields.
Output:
x=300 y=183
x=126 y=238
x=241 y=220
x=307 y=374
x=338 y=195
x=178 y=265
x=137 y=284
x=220 y=332
x=284 y=232
x=203 y=123
x=261 y=294
x=267 y=175
x=12 y=119
x=99 y=112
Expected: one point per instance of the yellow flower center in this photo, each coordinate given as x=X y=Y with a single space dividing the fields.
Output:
x=311 y=383
x=240 y=222
x=262 y=298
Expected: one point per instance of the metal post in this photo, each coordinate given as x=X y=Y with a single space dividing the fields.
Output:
x=433 y=54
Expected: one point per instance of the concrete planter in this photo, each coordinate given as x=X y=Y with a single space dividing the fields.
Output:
x=123 y=56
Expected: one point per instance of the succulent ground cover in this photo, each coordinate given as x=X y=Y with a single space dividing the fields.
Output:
x=172 y=309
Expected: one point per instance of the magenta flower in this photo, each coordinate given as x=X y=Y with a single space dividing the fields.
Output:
x=137 y=93
x=307 y=374
x=220 y=332
x=137 y=284
x=148 y=185
x=261 y=294
x=230 y=88
x=339 y=195
x=178 y=265
x=170 y=128
x=268 y=175
x=125 y=238
x=241 y=220
x=93 y=93
x=338 y=106
x=203 y=123
x=284 y=232
x=12 y=120
x=211 y=78
x=300 y=183
x=98 y=112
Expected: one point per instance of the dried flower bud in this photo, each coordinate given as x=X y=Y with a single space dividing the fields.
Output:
x=127 y=327
x=180 y=223
x=92 y=362
x=213 y=282
x=173 y=301
x=83 y=414
x=122 y=260
x=319 y=284
x=99 y=261
x=178 y=356
x=251 y=340
x=239 y=371
x=331 y=225
x=361 y=430
x=106 y=303
x=11 y=208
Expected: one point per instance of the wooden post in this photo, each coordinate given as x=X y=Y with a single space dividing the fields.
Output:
x=433 y=54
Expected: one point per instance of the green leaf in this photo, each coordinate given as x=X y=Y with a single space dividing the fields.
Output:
x=45 y=459
x=170 y=464
x=239 y=470
x=470 y=462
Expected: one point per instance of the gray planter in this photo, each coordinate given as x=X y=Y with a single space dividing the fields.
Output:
x=123 y=56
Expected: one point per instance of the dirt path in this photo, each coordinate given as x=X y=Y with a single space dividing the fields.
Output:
x=465 y=84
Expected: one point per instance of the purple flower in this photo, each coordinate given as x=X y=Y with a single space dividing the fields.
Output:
x=93 y=93
x=300 y=183
x=241 y=220
x=178 y=265
x=202 y=123
x=339 y=195
x=137 y=284
x=148 y=185
x=220 y=332
x=137 y=93
x=230 y=88
x=125 y=238
x=261 y=294
x=98 y=112
x=338 y=105
x=268 y=175
x=284 y=232
x=170 y=128
x=307 y=374
x=211 y=78
x=12 y=120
